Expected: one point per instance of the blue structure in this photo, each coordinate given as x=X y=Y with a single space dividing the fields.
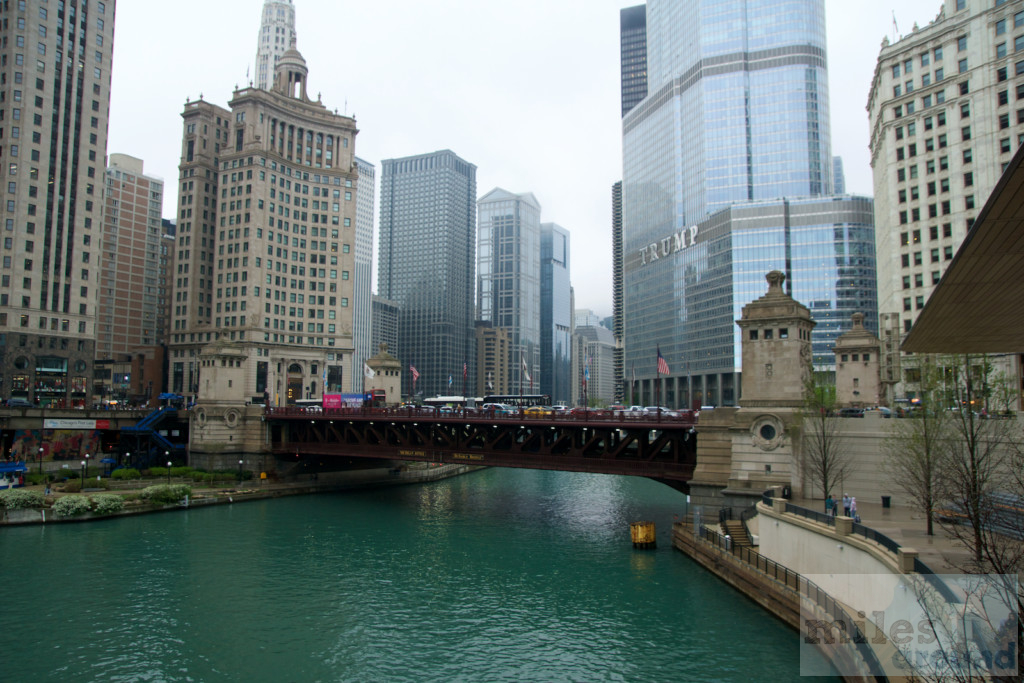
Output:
x=555 y=314
x=727 y=175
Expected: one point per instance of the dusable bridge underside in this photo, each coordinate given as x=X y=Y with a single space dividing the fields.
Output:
x=664 y=450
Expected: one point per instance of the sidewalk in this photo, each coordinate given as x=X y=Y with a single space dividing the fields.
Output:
x=906 y=526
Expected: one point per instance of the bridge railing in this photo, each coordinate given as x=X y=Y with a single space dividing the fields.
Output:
x=683 y=417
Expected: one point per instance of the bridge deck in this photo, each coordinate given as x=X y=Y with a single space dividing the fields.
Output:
x=662 y=449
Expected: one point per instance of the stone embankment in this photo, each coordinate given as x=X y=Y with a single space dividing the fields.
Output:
x=308 y=484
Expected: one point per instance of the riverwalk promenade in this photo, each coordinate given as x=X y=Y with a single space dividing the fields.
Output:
x=906 y=526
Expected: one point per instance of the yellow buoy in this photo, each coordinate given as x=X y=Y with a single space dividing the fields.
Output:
x=643 y=535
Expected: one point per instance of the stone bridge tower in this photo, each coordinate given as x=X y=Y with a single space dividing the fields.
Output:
x=742 y=451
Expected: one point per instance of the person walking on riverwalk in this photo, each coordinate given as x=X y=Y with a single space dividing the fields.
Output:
x=846 y=504
x=853 y=509
x=830 y=505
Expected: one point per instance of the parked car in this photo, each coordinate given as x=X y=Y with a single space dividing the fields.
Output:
x=17 y=402
x=851 y=412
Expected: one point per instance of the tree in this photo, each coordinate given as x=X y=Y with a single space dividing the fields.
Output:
x=983 y=480
x=824 y=456
x=915 y=447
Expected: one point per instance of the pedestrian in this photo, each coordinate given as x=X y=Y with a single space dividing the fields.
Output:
x=846 y=504
x=830 y=505
x=853 y=510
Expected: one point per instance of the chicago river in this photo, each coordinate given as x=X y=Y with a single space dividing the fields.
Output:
x=499 y=575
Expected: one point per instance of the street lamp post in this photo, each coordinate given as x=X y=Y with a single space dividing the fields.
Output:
x=239 y=472
x=168 y=472
x=83 y=475
x=40 y=460
x=127 y=459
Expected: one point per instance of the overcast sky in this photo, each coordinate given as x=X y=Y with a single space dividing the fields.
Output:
x=527 y=90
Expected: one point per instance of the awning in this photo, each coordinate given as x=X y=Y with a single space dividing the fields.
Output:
x=976 y=308
x=13 y=467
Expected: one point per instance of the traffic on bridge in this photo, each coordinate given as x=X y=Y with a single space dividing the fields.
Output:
x=660 y=445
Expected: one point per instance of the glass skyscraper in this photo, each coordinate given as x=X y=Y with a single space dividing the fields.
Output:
x=425 y=265
x=633 y=50
x=726 y=175
x=555 y=314
x=508 y=279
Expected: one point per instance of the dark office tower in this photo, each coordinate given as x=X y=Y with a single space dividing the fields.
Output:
x=426 y=266
x=555 y=314
x=618 y=362
x=54 y=99
x=633 y=51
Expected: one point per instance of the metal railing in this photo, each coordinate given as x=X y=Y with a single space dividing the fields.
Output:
x=813 y=515
x=935 y=581
x=825 y=602
x=878 y=537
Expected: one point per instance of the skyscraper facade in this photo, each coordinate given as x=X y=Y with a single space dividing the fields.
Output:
x=132 y=308
x=426 y=261
x=54 y=104
x=736 y=119
x=266 y=226
x=946 y=118
x=508 y=279
x=618 y=315
x=362 y=310
x=633 y=55
x=555 y=314
x=277 y=34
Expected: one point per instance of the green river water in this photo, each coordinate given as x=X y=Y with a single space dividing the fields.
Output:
x=499 y=575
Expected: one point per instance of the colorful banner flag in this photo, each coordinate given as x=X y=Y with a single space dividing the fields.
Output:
x=368 y=371
x=415 y=374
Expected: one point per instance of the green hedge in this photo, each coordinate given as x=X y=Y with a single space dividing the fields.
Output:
x=20 y=499
x=71 y=506
x=165 y=494
x=126 y=473
x=107 y=503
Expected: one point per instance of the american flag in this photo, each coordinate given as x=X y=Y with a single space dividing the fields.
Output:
x=662 y=365
x=415 y=374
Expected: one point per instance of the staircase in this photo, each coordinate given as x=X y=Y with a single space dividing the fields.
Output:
x=734 y=528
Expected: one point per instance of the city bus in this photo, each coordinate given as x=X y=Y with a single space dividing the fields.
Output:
x=519 y=400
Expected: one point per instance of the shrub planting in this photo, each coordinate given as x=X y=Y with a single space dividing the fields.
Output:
x=126 y=473
x=163 y=494
x=107 y=503
x=20 y=499
x=71 y=506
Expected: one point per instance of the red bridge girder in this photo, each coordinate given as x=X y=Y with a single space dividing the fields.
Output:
x=664 y=450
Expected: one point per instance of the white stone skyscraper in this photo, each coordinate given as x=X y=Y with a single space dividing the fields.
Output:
x=362 y=328
x=277 y=33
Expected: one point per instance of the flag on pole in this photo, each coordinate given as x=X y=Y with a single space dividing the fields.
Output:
x=449 y=380
x=415 y=374
x=586 y=369
x=368 y=371
x=662 y=365
x=526 y=371
x=465 y=370
x=634 y=373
